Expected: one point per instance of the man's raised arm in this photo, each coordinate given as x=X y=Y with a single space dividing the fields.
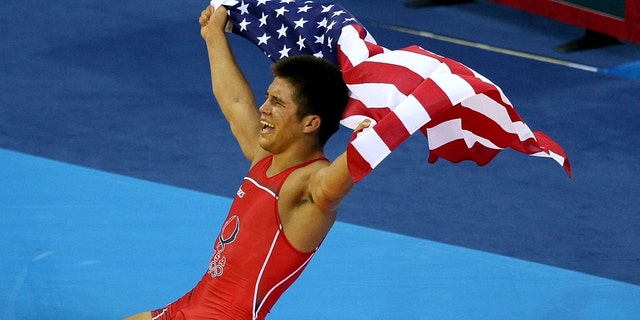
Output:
x=330 y=185
x=230 y=87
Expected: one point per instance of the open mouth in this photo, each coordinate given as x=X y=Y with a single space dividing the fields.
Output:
x=266 y=126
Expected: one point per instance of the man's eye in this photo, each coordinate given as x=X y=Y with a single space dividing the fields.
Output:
x=277 y=101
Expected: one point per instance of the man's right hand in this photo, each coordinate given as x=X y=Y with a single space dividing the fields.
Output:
x=212 y=22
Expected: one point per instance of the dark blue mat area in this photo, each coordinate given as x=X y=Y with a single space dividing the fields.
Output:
x=124 y=87
x=496 y=25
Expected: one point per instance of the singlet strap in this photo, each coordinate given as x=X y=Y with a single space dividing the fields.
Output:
x=265 y=162
x=259 y=172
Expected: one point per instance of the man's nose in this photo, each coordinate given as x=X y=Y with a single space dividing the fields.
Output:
x=265 y=108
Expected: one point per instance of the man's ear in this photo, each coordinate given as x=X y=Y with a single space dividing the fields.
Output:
x=311 y=123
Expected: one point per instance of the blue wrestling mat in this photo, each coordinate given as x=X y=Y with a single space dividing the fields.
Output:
x=84 y=244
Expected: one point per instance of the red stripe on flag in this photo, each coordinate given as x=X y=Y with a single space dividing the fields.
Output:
x=357 y=108
x=547 y=144
x=405 y=80
x=482 y=126
x=457 y=151
x=391 y=131
x=358 y=166
x=432 y=97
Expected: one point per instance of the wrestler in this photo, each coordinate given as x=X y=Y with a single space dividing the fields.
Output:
x=288 y=201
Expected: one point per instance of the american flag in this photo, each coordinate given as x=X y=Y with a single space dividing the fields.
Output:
x=463 y=115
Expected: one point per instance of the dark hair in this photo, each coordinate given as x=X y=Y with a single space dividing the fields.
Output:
x=318 y=90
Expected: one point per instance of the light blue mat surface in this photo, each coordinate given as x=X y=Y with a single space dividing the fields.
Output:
x=78 y=243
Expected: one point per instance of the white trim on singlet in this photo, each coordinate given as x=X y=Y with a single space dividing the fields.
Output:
x=261 y=187
x=160 y=314
x=264 y=266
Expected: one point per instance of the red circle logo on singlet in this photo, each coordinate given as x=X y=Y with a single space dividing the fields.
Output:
x=228 y=235
x=230 y=230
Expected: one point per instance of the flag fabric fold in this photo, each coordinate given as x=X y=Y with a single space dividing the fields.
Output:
x=463 y=115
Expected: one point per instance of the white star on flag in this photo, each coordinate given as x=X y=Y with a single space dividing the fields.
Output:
x=282 y=32
x=244 y=8
x=300 y=43
x=284 y=52
x=300 y=23
x=281 y=11
x=263 y=19
x=263 y=39
x=244 y=24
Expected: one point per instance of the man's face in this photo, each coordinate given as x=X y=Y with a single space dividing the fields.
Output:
x=278 y=115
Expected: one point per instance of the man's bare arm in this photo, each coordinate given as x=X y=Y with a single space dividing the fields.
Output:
x=230 y=87
x=330 y=185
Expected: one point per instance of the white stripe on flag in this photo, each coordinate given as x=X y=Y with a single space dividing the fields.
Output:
x=456 y=88
x=417 y=63
x=412 y=114
x=377 y=95
x=352 y=122
x=558 y=158
x=354 y=48
x=371 y=147
x=450 y=131
x=487 y=80
x=497 y=112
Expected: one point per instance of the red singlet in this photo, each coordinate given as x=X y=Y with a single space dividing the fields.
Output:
x=253 y=263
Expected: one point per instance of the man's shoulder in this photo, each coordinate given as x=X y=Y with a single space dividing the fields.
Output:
x=314 y=165
x=301 y=175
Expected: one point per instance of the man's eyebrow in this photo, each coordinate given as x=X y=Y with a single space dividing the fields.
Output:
x=275 y=98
